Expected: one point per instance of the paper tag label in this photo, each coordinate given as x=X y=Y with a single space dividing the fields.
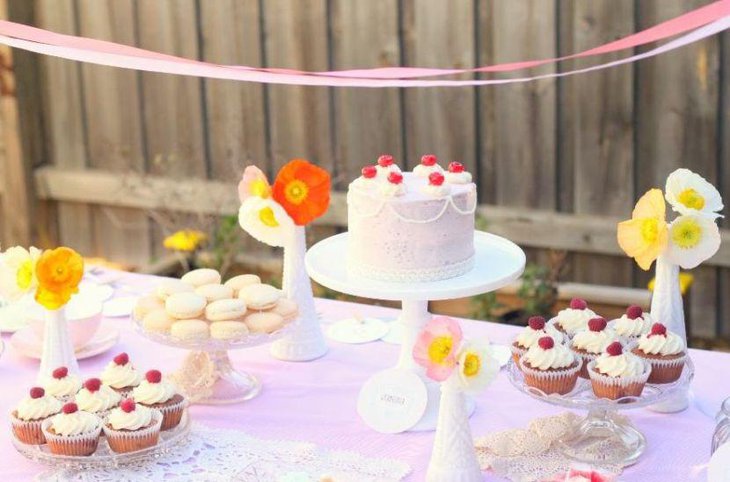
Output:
x=719 y=468
x=392 y=401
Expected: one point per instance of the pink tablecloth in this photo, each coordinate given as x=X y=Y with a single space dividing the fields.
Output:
x=316 y=401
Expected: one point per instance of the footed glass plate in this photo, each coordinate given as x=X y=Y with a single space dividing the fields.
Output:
x=104 y=457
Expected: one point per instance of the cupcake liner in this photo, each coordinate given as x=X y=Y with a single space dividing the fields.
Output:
x=559 y=381
x=663 y=370
x=587 y=358
x=613 y=388
x=172 y=414
x=74 y=445
x=123 y=441
x=27 y=431
x=517 y=352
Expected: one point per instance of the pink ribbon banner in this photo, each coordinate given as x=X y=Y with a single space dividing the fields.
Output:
x=695 y=25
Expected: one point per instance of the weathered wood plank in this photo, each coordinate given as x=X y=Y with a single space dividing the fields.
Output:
x=724 y=162
x=367 y=121
x=235 y=110
x=299 y=123
x=64 y=123
x=526 y=227
x=114 y=129
x=677 y=127
x=596 y=115
x=440 y=121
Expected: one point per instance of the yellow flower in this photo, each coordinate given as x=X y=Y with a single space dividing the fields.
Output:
x=644 y=236
x=17 y=272
x=692 y=240
x=187 y=240
x=685 y=282
x=265 y=220
x=690 y=193
x=59 y=273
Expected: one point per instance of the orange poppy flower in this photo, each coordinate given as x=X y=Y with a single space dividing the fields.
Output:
x=59 y=272
x=303 y=190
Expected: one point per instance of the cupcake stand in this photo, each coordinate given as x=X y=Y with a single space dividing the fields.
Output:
x=207 y=375
x=395 y=400
x=603 y=436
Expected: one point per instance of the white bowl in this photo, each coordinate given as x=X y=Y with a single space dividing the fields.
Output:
x=83 y=315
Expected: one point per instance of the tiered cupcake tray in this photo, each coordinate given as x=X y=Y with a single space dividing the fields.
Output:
x=498 y=262
x=104 y=457
x=207 y=375
x=603 y=436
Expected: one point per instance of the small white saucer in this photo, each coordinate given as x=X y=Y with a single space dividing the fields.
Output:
x=502 y=353
x=358 y=330
x=119 y=307
x=96 y=291
x=26 y=343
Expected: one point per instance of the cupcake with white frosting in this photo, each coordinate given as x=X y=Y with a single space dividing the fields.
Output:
x=665 y=351
x=550 y=367
x=72 y=432
x=30 y=414
x=536 y=328
x=121 y=375
x=97 y=398
x=428 y=165
x=62 y=384
x=574 y=318
x=156 y=393
x=632 y=324
x=590 y=343
x=618 y=373
x=131 y=427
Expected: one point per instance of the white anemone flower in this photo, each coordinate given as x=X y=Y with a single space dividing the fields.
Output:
x=17 y=272
x=266 y=220
x=477 y=366
x=690 y=193
x=692 y=240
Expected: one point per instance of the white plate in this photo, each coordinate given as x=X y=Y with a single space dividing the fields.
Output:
x=118 y=307
x=13 y=317
x=26 y=343
x=353 y=330
x=95 y=291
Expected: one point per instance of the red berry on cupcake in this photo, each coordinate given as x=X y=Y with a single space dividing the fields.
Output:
x=92 y=384
x=70 y=408
x=385 y=160
x=121 y=359
x=435 y=179
x=153 y=376
x=634 y=312
x=537 y=323
x=59 y=373
x=578 y=304
x=127 y=405
x=37 y=392
x=615 y=349
x=546 y=342
x=395 y=178
x=429 y=160
x=456 y=167
x=658 y=329
x=597 y=324
x=369 y=172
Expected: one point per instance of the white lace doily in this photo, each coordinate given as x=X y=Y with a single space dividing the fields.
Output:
x=525 y=455
x=230 y=455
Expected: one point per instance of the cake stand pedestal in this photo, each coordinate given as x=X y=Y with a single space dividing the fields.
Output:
x=498 y=262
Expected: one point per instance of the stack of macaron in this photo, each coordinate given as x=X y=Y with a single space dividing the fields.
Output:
x=69 y=416
x=199 y=307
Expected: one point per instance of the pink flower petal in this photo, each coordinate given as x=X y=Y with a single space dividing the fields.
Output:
x=439 y=372
x=250 y=174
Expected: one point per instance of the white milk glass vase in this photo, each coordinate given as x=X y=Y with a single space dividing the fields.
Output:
x=58 y=348
x=453 y=458
x=667 y=308
x=304 y=341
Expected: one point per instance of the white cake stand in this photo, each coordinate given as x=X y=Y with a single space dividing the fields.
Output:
x=498 y=262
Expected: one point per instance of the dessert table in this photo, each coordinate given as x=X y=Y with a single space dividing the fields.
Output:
x=316 y=402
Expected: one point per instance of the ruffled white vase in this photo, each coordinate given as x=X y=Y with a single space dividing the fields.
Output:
x=58 y=348
x=453 y=458
x=667 y=308
x=305 y=340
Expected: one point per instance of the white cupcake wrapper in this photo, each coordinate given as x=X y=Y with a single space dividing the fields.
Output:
x=552 y=374
x=666 y=363
x=70 y=439
x=135 y=434
x=518 y=351
x=167 y=409
x=623 y=381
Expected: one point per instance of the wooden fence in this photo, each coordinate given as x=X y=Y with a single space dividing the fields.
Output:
x=557 y=162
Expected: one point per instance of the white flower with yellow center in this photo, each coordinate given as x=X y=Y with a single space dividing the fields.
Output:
x=17 y=272
x=692 y=240
x=477 y=366
x=690 y=193
x=265 y=220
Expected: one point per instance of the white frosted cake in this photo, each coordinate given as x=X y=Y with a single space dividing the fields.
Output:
x=411 y=226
